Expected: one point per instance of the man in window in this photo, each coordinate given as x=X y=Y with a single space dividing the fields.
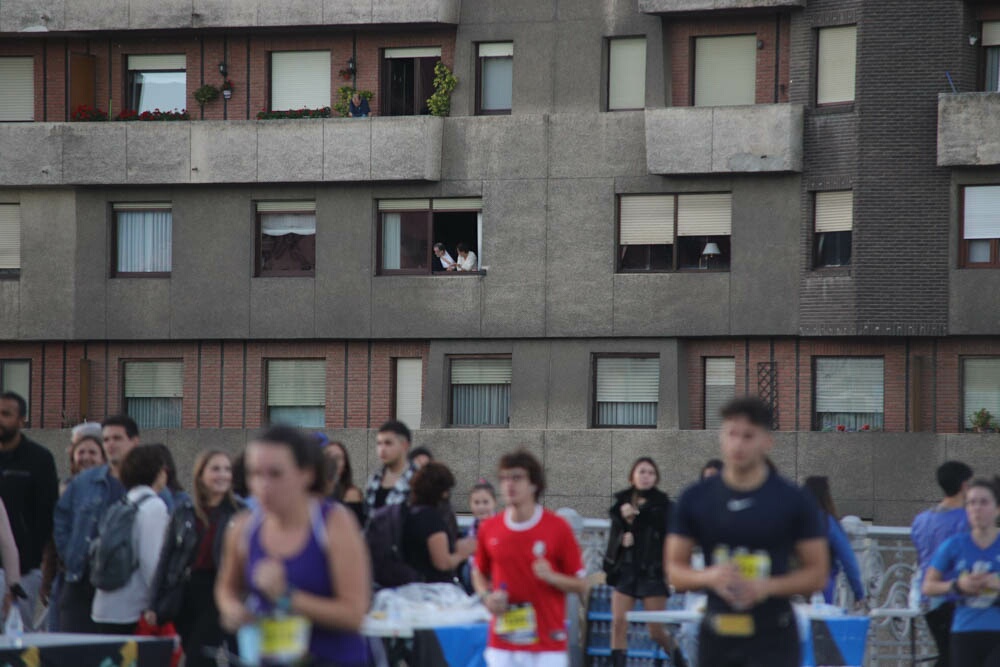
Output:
x=447 y=262
x=358 y=107
x=391 y=484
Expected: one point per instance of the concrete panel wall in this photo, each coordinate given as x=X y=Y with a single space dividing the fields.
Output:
x=670 y=6
x=968 y=129
x=48 y=252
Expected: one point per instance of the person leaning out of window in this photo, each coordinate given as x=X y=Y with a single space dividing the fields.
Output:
x=466 y=259
x=358 y=106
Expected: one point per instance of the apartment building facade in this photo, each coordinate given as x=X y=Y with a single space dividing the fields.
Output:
x=670 y=202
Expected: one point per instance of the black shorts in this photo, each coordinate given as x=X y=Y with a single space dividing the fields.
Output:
x=975 y=649
x=778 y=647
x=638 y=586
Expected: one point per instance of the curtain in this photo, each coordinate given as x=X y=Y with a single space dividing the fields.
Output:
x=851 y=421
x=144 y=241
x=480 y=404
x=155 y=412
x=626 y=414
x=392 y=232
x=311 y=416
x=993 y=69
x=498 y=83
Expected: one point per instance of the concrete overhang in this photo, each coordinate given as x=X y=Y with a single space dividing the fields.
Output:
x=687 y=6
x=968 y=129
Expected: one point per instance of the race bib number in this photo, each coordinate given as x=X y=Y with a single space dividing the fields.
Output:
x=517 y=625
x=733 y=625
x=284 y=639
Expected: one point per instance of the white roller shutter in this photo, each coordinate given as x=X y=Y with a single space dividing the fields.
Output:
x=628 y=380
x=300 y=79
x=458 y=204
x=646 y=220
x=414 y=52
x=17 y=81
x=720 y=387
x=10 y=236
x=705 y=215
x=409 y=391
x=849 y=384
x=991 y=33
x=835 y=211
x=142 y=206
x=982 y=212
x=480 y=371
x=627 y=73
x=496 y=50
x=980 y=387
x=286 y=206
x=404 y=204
x=837 y=64
x=154 y=379
x=725 y=70
x=160 y=62
x=296 y=382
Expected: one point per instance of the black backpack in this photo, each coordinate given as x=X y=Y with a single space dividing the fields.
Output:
x=112 y=557
x=384 y=535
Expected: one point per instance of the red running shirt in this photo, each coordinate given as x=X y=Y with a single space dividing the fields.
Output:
x=505 y=553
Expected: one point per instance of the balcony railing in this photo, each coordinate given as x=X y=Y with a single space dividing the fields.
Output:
x=672 y=6
x=968 y=129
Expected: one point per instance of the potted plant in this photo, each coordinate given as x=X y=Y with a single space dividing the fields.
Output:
x=227 y=89
x=982 y=421
x=439 y=102
x=205 y=94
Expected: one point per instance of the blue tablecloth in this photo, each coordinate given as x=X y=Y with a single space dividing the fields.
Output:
x=836 y=641
x=452 y=646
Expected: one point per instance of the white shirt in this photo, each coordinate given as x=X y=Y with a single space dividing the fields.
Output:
x=467 y=264
x=446 y=260
x=126 y=604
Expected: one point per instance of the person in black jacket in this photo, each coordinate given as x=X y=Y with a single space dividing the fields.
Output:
x=185 y=578
x=634 y=560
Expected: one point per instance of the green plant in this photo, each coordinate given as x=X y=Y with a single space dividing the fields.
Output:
x=982 y=420
x=206 y=94
x=344 y=94
x=439 y=102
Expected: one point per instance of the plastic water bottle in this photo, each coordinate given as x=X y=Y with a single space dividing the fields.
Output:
x=14 y=627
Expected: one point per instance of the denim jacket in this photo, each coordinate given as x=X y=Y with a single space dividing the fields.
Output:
x=77 y=513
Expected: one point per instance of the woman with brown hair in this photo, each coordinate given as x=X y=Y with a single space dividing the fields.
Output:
x=341 y=480
x=185 y=579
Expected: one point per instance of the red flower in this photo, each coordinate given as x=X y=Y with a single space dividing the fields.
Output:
x=866 y=427
x=841 y=427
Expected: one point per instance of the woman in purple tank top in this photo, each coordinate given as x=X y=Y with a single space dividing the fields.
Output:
x=296 y=559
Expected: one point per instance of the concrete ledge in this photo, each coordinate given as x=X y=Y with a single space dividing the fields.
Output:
x=968 y=129
x=673 y=6
x=167 y=153
x=61 y=15
x=724 y=140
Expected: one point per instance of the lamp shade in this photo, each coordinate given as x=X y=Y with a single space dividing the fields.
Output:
x=711 y=250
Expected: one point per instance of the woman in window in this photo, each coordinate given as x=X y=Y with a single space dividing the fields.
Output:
x=634 y=560
x=185 y=577
x=466 y=259
x=842 y=557
x=966 y=566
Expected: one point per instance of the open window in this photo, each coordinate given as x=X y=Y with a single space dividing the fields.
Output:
x=410 y=229
x=157 y=82
x=408 y=79
x=286 y=238
x=834 y=221
x=674 y=232
x=980 y=223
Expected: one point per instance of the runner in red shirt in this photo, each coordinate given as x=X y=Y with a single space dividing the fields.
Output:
x=526 y=562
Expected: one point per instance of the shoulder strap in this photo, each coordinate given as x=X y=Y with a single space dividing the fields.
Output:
x=319 y=511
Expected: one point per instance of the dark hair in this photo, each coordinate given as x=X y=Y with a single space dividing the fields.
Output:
x=173 y=483
x=756 y=411
x=305 y=454
x=462 y=247
x=711 y=464
x=525 y=460
x=430 y=483
x=22 y=405
x=345 y=478
x=240 y=476
x=126 y=422
x=644 y=459
x=483 y=485
x=200 y=493
x=951 y=475
x=439 y=246
x=74 y=446
x=141 y=466
x=417 y=451
x=397 y=427
x=992 y=485
x=819 y=487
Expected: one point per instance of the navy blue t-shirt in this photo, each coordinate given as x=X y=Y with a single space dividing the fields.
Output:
x=758 y=530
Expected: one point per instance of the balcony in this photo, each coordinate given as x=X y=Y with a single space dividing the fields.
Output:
x=724 y=140
x=968 y=129
x=82 y=15
x=177 y=152
x=679 y=6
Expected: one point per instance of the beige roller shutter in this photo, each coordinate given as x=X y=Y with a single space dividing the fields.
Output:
x=646 y=219
x=496 y=50
x=628 y=380
x=705 y=215
x=720 y=387
x=982 y=212
x=980 y=387
x=175 y=61
x=142 y=206
x=10 y=236
x=154 y=379
x=414 y=52
x=725 y=70
x=835 y=211
x=17 y=81
x=480 y=371
x=296 y=382
x=458 y=204
x=409 y=391
x=837 y=64
x=300 y=79
x=991 y=33
x=627 y=73
x=286 y=206
x=404 y=204
x=850 y=384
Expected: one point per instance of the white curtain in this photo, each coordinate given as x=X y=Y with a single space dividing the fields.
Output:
x=281 y=224
x=155 y=412
x=392 y=241
x=302 y=416
x=480 y=404
x=144 y=241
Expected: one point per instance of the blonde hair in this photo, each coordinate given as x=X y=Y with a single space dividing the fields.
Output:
x=200 y=492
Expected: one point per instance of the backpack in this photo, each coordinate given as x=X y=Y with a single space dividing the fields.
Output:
x=384 y=535
x=112 y=556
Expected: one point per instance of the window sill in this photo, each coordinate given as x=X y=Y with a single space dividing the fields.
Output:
x=833 y=109
x=495 y=112
x=289 y=274
x=435 y=274
x=140 y=275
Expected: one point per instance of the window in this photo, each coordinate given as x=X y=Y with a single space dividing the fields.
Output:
x=720 y=387
x=408 y=230
x=980 y=388
x=834 y=219
x=10 y=239
x=409 y=386
x=157 y=82
x=668 y=232
x=17 y=80
x=480 y=391
x=991 y=45
x=725 y=70
x=286 y=238
x=15 y=376
x=627 y=73
x=408 y=79
x=142 y=239
x=300 y=80
x=836 y=65
x=495 y=73
x=626 y=390
x=849 y=393
x=154 y=393
x=296 y=392
x=980 y=226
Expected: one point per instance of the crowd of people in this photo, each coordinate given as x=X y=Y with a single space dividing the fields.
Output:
x=281 y=542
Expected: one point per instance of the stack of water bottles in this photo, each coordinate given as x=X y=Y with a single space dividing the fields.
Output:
x=642 y=650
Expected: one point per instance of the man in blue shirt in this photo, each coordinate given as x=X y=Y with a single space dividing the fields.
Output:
x=930 y=529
